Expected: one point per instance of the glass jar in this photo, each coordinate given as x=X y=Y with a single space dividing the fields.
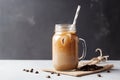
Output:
x=65 y=47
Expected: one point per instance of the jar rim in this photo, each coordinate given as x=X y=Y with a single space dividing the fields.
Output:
x=65 y=27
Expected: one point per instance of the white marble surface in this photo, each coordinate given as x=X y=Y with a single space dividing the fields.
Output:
x=13 y=70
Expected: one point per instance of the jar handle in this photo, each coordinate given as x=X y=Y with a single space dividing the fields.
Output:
x=84 y=49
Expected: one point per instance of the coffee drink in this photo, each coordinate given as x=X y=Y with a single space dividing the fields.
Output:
x=65 y=47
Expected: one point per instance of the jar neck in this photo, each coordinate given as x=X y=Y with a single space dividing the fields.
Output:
x=65 y=28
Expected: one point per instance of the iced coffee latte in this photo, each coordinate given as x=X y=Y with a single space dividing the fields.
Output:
x=65 y=47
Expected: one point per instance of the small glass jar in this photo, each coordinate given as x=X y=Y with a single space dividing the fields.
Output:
x=65 y=47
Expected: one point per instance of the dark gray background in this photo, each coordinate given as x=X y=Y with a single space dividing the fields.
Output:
x=27 y=26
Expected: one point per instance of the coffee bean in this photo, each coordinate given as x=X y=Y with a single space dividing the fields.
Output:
x=36 y=72
x=58 y=74
x=89 y=68
x=27 y=70
x=99 y=75
x=31 y=70
x=48 y=76
x=52 y=72
x=108 y=71
x=24 y=69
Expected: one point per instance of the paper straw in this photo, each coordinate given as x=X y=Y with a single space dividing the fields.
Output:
x=76 y=15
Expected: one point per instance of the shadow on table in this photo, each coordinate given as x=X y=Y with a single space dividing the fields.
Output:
x=115 y=70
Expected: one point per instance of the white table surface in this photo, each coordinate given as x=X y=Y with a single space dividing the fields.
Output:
x=13 y=70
